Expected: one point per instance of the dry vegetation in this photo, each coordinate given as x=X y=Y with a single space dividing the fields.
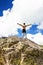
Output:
x=16 y=51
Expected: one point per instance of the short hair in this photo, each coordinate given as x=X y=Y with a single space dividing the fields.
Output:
x=24 y=23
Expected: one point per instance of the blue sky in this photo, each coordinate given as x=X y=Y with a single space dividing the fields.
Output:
x=20 y=11
x=5 y=5
x=32 y=30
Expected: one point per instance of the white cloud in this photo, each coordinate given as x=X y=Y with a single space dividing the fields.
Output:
x=40 y=25
x=22 y=11
x=38 y=38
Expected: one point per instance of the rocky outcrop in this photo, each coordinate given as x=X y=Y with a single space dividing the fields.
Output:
x=18 y=51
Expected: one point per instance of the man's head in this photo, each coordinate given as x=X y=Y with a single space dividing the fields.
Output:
x=24 y=23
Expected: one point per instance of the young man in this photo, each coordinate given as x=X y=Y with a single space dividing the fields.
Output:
x=24 y=29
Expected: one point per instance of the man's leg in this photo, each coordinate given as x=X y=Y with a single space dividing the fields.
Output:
x=24 y=35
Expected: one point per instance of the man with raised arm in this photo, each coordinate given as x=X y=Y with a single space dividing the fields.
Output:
x=24 y=28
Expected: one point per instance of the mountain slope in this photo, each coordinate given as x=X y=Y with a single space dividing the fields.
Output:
x=18 y=51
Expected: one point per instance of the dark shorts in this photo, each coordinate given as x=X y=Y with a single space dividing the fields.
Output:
x=23 y=31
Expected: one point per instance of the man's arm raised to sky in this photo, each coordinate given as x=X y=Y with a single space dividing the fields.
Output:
x=20 y=24
x=28 y=25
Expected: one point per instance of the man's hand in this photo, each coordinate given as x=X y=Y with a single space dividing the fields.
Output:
x=20 y=24
x=28 y=25
x=17 y=23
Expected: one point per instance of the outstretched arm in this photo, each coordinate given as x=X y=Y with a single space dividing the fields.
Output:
x=19 y=24
x=28 y=25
